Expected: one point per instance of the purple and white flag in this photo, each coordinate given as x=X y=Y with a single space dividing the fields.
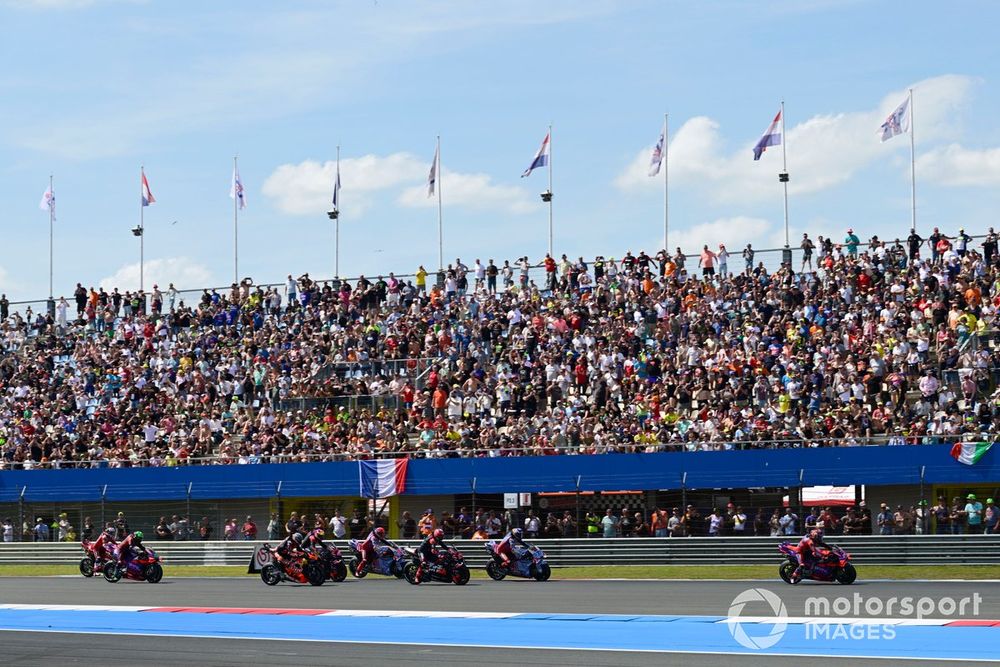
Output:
x=772 y=137
x=432 y=177
x=898 y=121
x=48 y=203
x=657 y=159
x=236 y=190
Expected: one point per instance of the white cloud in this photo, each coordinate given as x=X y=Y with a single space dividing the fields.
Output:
x=734 y=232
x=307 y=188
x=181 y=271
x=957 y=165
x=823 y=151
x=476 y=191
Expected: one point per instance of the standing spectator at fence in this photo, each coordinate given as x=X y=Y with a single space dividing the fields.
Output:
x=121 y=527
x=789 y=522
x=205 y=529
x=626 y=528
x=807 y=252
x=851 y=242
x=957 y=516
x=991 y=517
x=609 y=524
x=885 y=520
x=249 y=529
x=8 y=530
x=748 y=254
x=41 y=532
x=162 y=530
x=723 y=257
x=358 y=524
x=739 y=522
x=532 y=525
x=942 y=520
x=88 y=531
x=293 y=524
x=914 y=242
x=774 y=523
x=714 y=521
x=760 y=524
x=64 y=526
x=990 y=246
x=407 y=526
x=230 y=530
x=338 y=524
x=274 y=527
x=707 y=263
x=974 y=514
x=4 y=307
x=675 y=524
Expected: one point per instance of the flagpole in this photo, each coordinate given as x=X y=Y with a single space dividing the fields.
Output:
x=336 y=222
x=52 y=214
x=913 y=172
x=142 y=231
x=550 y=189
x=236 y=226
x=783 y=177
x=437 y=177
x=666 y=168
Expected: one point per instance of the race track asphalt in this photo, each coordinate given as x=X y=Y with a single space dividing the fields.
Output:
x=709 y=598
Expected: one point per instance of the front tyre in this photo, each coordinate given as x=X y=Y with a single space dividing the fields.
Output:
x=495 y=572
x=410 y=573
x=461 y=576
x=154 y=573
x=87 y=567
x=543 y=572
x=113 y=572
x=847 y=575
x=339 y=573
x=353 y=566
x=270 y=575
x=786 y=570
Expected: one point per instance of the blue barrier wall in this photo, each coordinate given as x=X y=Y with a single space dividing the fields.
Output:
x=736 y=469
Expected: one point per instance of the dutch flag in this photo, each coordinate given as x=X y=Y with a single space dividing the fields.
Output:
x=541 y=157
x=772 y=137
x=381 y=479
x=147 y=196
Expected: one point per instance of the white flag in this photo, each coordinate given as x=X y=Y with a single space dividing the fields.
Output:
x=432 y=177
x=48 y=203
x=657 y=159
x=898 y=121
x=236 y=190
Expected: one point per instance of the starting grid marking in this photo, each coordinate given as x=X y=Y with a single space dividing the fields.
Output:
x=928 y=639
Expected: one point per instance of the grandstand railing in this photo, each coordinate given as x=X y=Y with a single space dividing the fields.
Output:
x=710 y=551
x=418 y=451
x=771 y=258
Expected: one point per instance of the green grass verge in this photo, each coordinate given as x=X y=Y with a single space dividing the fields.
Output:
x=765 y=572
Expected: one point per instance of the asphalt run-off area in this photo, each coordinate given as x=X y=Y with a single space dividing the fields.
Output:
x=225 y=621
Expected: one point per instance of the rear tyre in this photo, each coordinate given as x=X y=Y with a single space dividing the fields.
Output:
x=543 y=573
x=786 y=570
x=398 y=569
x=154 y=573
x=410 y=574
x=87 y=567
x=461 y=576
x=270 y=575
x=314 y=574
x=495 y=571
x=847 y=574
x=113 y=572
x=338 y=573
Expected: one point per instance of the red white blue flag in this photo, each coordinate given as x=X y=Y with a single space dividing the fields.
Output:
x=147 y=196
x=772 y=137
x=236 y=190
x=541 y=157
x=381 y=479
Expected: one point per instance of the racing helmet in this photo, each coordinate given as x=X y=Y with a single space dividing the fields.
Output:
x=297 y=538
x=380 y=532
x=517 y=533
x=109 y=531
x=816 y=533
x=438 y=534
x=137 y=536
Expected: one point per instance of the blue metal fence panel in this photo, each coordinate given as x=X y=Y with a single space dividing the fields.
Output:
x=885 y=465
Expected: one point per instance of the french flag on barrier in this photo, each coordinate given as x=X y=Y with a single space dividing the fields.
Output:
x=381 y=479
x=541 y=157
x=772 y=137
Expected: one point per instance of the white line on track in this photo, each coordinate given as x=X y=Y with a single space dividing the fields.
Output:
x=506 y=646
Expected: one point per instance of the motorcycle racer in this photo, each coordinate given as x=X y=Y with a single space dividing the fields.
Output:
x=373 y=544
x=130 y=547
x=809 y=550
x=289 y=552
x=429 y=550
x=508 y=546
x=104 y=545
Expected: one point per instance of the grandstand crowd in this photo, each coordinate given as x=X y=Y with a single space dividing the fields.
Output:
x=882 y=340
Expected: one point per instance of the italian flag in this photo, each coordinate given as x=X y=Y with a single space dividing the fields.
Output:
x=969 y=453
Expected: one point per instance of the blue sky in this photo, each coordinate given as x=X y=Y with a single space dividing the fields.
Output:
x=94 y=88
